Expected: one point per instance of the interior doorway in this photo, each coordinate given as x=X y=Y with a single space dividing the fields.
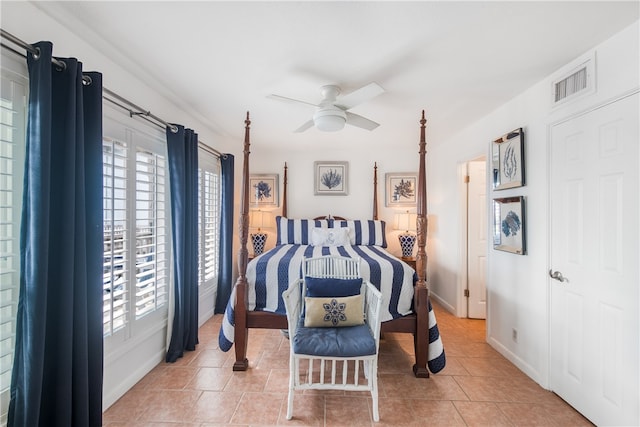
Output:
x=593 y=269
x=474 y=230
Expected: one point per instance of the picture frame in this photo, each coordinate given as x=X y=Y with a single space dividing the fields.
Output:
x=264 y=189
x=331 y=178
x=401 y=189
x=507 y=158
x=509 y=225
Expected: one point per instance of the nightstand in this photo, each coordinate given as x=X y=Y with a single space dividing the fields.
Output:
x=411 y=261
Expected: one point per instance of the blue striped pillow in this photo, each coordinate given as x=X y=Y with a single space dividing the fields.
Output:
x=296 y=231
x=364 y=232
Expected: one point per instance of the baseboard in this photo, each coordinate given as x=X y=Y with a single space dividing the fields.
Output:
x=451 y=309
x=517 y=361
x=125 y=385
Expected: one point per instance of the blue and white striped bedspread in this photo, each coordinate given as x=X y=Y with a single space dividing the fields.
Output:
x=281 y=265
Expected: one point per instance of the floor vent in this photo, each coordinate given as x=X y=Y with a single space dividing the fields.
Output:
x=578 y=81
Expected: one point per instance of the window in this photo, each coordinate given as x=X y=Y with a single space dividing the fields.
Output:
x=133 y=194
x=151 y=229
x=116 y=247
x=209 y=182
x=13 y=99
x=208 y=225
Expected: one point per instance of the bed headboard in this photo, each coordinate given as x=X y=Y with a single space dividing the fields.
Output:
x=339 y=218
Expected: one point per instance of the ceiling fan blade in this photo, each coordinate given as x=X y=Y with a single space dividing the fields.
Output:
x=304 y=127
x=290 y=100
x=361 y=122
x=359 y=96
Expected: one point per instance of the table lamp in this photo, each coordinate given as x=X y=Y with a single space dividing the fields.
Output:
x=257 y=220
x=407 y=222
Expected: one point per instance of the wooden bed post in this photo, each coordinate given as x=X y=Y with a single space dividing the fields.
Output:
x=284 y=192
x=375 y=191
x=421 y=297
x=241 y=332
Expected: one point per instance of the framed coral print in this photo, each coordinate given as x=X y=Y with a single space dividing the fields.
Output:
x=330 y=178
x=264 y=190
x=507 y=158
x=509 y=225
x=401 y=189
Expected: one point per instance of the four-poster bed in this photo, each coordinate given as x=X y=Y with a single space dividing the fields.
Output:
x=256 y=300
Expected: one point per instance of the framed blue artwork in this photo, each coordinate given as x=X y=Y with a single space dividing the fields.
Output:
x=401 y=189
x=509 y=225
x=263 y=190
x=330 y=178
x=507 y=159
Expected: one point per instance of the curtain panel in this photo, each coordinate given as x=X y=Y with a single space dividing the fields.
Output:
x=225 y=274
x=58 y=361
x=182 y=149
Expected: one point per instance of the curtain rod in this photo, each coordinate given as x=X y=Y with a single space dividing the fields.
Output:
x=141 y=112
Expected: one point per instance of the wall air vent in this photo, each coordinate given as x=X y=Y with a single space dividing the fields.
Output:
x=578 y=81
x=571 y=85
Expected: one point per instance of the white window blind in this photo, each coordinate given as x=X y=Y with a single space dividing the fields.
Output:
x=116 y=245
x=13 y=92
x=134 y=217
x=151 y=240
x=208 y=224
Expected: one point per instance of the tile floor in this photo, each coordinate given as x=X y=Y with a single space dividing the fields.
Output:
x=478 y=387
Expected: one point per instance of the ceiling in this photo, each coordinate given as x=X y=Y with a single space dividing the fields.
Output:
x=456 y=60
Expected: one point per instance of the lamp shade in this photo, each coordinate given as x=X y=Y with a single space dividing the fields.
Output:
x=406 y=221
x=257 y=219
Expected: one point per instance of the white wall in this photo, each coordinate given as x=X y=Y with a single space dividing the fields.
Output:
x=517 y=286
x=358 y=204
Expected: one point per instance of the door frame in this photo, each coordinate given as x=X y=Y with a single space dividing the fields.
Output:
x=547 y=377
x=463 y=226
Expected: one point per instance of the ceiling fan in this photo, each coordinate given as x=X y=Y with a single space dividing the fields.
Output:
x=332 y=112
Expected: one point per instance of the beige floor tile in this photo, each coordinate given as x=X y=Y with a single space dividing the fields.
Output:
x=216 y=407
x=212 y=379
x=482 y=414
x=437 y=413
x=478 y=387
x=308 y=410
x=170 y=406
x=348 y=411
x=259 y=409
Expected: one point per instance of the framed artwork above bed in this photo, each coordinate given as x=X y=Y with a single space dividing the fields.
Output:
x=264 y=189
x=401 y=189
x=330 y=178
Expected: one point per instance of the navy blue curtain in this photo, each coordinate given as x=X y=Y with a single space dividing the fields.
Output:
x=183 y=173
x=57 y=370
x=225 y=265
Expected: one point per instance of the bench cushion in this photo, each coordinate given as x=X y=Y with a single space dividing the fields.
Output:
x=349 y=341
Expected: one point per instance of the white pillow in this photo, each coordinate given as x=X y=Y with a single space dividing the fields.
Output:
x=330 y=237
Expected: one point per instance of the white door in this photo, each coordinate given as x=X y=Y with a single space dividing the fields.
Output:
x=477 y=240
x=594 y=255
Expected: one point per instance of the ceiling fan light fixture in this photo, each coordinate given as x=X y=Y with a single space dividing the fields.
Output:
x=330 y=120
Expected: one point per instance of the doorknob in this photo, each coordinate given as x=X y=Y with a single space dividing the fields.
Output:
x=558 y=276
